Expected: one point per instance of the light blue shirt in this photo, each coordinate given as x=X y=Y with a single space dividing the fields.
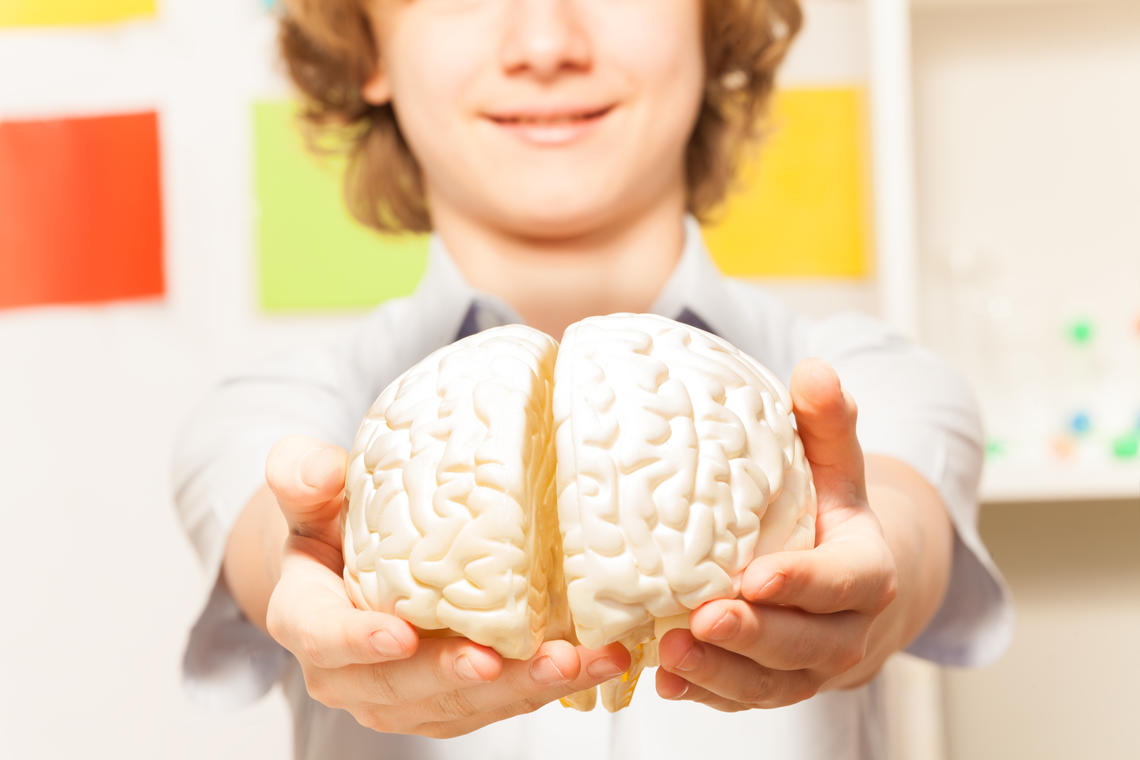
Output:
x=912 y=406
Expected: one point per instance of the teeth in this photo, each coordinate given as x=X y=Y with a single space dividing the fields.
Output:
x=546 y=122
x=562 y=120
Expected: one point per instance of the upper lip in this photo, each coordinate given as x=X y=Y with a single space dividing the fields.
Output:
x=548 y=112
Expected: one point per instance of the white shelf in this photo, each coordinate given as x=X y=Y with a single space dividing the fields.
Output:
x=1041 y=482
x=989 y=211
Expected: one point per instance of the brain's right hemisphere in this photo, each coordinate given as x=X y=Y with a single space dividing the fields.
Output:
x=509 y=489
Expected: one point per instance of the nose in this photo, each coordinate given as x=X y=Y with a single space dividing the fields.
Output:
x=544 y=37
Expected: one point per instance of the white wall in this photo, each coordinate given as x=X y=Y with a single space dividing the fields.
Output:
x=100 y=583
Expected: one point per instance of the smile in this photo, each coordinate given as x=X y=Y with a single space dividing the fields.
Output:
x=552 y=128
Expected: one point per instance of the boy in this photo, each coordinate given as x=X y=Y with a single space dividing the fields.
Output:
x=560 y=151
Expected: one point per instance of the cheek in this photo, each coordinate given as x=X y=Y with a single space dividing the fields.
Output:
x=428 y=87
x=662 y=56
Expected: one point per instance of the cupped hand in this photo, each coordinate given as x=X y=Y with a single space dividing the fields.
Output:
x=374 y=665
x=805 y=618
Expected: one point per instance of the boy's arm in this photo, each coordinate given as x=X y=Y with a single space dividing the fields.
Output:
x=919 y=533
x=252 y=562
x=218 y=484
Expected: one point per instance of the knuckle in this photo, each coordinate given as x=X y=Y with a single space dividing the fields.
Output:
x=722 y=705
x=754 y=625
x=803 y=651
x=888 y=591
x=517 y=706
x=309 y=646
x=439 y=730
x=318 y=686
x=804 y=690
x=444 y=662
x=862 y=680
x=380 y=687
x=352 y=642
x=757 y=689
x=452 y=705
x=274 y=621
x=375 y=719
x=845 y=589
x=848 y=657
x=532 y=703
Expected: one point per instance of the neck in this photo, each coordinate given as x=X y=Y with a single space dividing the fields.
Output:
x=553 y=282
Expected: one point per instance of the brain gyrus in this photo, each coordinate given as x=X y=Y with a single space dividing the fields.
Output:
x=512 y=489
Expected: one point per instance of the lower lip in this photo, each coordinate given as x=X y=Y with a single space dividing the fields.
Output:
x=554 y=134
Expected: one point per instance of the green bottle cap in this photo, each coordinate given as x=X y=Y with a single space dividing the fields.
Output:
x=995 y=447
x=1081 y=331
x=1126 y=446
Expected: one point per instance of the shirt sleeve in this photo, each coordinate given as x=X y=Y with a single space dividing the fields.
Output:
x=218 y=463
x=914 y=407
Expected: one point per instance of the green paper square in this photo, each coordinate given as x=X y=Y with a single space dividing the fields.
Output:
x=312 y=255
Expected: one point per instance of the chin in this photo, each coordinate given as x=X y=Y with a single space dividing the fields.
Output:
x=549 y=217
x=557 y=224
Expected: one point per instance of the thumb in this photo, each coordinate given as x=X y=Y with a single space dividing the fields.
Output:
x=311 y=615
x=306 y=476
x=825 y=419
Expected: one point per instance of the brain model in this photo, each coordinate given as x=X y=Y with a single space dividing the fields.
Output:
x=512 y=490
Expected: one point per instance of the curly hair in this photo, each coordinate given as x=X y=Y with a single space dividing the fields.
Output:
x=329 y=52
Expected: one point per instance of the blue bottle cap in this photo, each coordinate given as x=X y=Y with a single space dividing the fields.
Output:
x=1080 y=422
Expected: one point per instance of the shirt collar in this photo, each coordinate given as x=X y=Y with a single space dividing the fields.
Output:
x=695 y=293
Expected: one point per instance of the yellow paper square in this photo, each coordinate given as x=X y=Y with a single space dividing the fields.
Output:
x=71 y=12
x=806 y=198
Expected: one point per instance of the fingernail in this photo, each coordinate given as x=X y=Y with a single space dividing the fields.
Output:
x=771 y=586
x=725 y=628
x=691 y=659
x=544 y=670
x=386 y=644
x=465 y=670
x=313 y=468
x=682 y=692
x=604 y=668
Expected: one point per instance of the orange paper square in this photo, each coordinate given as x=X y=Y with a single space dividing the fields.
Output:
x=80 y=210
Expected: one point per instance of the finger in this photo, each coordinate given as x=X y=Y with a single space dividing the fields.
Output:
x=454 y=679
x=855 y=572
x=310 y=614
x=556 y=671
x=307 y=478
x=672 y=686
x=783 y=638
x=825 y=419
x=731 y=675
x=439 y=666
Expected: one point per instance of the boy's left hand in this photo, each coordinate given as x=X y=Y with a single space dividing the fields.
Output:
x=806 y=616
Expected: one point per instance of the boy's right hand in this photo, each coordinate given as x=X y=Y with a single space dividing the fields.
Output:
x=373 y=665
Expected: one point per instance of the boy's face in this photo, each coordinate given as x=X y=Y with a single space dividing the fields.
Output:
x=460 y=73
